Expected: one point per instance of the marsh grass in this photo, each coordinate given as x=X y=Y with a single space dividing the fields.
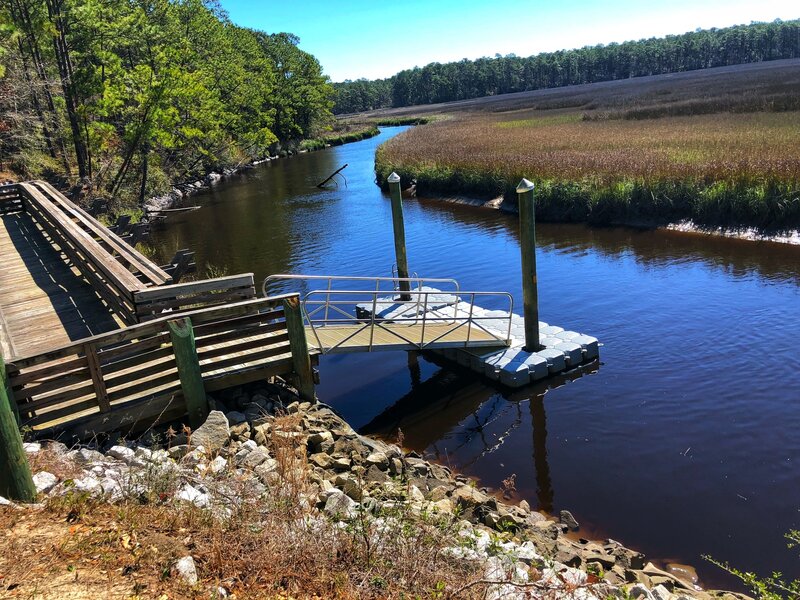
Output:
x=716 y=169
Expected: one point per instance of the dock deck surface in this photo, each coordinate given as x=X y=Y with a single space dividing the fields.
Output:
x=44 y=303
x=397 y=336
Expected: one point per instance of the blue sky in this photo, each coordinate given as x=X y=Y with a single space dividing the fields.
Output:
x=376 y=38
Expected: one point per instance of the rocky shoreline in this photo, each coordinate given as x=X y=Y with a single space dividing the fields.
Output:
x=182 y=191
x=347 y=478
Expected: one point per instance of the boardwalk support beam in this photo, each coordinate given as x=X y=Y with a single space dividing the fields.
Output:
x=16 y=482
x=301 y=359
x=399 y=235
x=527 y=242
x=183 y=347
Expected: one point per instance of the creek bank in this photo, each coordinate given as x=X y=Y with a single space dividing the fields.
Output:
x=349 y=479
x=790 y=237
x=180 y=192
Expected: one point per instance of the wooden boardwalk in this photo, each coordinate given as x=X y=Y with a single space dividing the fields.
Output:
x=89 y=325
x=95 y=337
x=44 y=302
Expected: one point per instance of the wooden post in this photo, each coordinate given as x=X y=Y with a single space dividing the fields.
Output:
x=399 y=235
x=299 y=345
x=527 y=242
x=194 y=392
x=16 y=482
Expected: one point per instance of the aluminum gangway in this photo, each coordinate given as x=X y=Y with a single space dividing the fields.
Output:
x=369 y=314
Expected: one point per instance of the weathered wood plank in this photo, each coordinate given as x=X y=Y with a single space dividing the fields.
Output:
x=131 y=257
x=132 y=417
x=44 y=302
x=241 y=347
x=52 y=385
x=244 y=332
x=150 y=359
x=194 y=287
x=97 y=377
x=94 y=252
x=62 y=397
x=57 y=369
x=243 y=359
x=248 y=375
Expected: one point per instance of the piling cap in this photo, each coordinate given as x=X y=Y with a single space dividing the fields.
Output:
x=393 y=178
x=524 y=186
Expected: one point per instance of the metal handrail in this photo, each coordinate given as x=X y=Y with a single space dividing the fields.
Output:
x=312 y=307
x=419 y=281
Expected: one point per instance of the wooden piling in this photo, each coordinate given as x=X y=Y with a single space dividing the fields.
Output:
x=16 y=482
x=527 y=242
x=183 y=347
x=399 y=235
x=301 y=359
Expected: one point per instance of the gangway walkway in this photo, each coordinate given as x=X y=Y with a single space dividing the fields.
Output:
x=368 y=314
x=477 y=330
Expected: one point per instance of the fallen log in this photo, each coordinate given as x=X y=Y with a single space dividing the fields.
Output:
x=171 y=210
x=332 y=175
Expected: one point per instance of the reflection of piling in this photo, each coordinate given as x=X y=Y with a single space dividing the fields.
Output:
x=399 y=234
x=527 y=242
x=414 y=369
x=544 y=485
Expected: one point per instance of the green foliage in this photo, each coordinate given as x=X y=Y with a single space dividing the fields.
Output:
x=152 y=92
x=358 y=134
x=399 y=121
x=506 y=74
x=774 y=587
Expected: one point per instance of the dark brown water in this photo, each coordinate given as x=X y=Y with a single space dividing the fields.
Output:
x=685 y=441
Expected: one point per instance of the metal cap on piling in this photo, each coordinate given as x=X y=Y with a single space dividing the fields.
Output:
x=522 y=187
x=527 y=242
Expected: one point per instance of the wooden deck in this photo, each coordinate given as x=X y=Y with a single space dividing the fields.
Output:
x=398 y=336
x=44 y=302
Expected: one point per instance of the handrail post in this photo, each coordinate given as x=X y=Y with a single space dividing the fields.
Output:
x=301 y=359
x=527 y=242
x=469 y=319
x=327 y=298
x=16 y=482
x=399 y=236
x=181 y=334
x=424 y=318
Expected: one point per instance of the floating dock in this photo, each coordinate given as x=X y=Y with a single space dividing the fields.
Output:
x=511 y=365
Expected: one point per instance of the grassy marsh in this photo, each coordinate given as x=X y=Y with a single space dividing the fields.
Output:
x=624 y=153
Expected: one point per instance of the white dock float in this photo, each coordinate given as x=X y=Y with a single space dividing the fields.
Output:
x=512 y=366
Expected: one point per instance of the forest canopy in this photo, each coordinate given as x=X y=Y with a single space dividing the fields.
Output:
x=466 y=79
x=131 y=95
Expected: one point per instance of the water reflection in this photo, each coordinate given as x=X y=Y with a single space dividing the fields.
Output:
x=452 y=415
x=739 y=258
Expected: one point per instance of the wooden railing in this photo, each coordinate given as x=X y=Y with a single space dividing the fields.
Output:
x=10 y=199
x=131 y=285
x=128 y=380
x=153 y=302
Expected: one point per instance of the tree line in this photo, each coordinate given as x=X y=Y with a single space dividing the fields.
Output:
x=131 y=95
x=466 y=79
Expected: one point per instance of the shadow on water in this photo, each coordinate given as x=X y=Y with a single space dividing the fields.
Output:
x=454 y=401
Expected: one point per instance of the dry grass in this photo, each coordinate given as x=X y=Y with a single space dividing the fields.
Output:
x=268 y=545
x=559 y=145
